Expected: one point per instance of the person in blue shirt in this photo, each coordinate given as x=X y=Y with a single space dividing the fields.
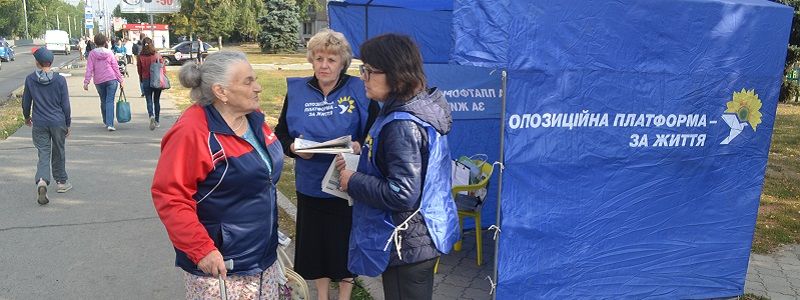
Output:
x=401 y=190
x=45 y=106
x=327 y=105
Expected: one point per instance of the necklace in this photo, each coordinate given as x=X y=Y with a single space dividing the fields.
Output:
x=241 y=122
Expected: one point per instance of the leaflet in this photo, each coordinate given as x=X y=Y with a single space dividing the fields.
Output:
x=343 y=144
x=330 y=183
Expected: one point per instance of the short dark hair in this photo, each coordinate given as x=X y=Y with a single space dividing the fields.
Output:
x=100 y=40
x=398 y=57
x=147 y=47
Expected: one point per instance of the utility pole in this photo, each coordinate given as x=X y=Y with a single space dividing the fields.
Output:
x=25 y=12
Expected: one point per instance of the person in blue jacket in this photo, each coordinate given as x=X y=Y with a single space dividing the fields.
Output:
x=319 y=108
x=403 y=214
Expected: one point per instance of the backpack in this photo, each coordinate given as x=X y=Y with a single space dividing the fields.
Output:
x=137 y=48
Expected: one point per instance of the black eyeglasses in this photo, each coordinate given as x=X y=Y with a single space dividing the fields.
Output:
x=367 y=71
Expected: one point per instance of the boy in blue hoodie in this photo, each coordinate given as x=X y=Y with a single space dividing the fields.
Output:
x=46 y=92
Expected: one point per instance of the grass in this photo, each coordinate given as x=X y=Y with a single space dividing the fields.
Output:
x=255 y=56
x=749 y=296
x=778 y=221
x=10 y=117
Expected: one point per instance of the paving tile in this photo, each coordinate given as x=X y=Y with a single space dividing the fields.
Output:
x=773 y=273
x=458 y=280
x=778 y=285
x=472 y=293
x=779 y=296
x=748 y=285
x=447 y=289
x=437 y=296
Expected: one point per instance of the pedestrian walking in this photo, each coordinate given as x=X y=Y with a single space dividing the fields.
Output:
x=89 y=47
x=102 y=67
x=128 y=51
x=82 y=48
x=222 y=221
x=147 y=57
x=200 y=50
x=45 y=107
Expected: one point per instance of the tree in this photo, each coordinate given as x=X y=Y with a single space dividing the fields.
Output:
x=42 y=15
x=279 y=26
x=789 y=88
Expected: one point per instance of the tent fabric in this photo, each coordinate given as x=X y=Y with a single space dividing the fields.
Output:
x=359 y=22
x=589 y=210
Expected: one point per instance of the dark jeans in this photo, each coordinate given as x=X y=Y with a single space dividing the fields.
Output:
x=107 y=90
x=412 y=281
x=153 y=98
x=50 y=143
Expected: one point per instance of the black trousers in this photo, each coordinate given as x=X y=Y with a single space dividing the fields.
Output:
x=412 y=281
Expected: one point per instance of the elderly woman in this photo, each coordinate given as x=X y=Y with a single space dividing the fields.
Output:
x=402 y=188
x=214 y=186
x=328 y=105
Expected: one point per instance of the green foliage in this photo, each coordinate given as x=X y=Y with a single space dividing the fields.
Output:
x=279 y=26
x=789 y=89
x=41 y=17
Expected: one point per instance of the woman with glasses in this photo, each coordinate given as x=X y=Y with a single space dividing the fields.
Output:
x=401 y=191
x=327 y=105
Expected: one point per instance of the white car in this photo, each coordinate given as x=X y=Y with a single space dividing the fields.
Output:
x=57 y=41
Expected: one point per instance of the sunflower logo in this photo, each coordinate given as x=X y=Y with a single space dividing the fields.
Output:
x=746 y=105
x=346 y=104
x=368 y=142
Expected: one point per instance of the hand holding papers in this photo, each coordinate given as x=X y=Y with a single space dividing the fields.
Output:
x=343 y=144
x=330 y=183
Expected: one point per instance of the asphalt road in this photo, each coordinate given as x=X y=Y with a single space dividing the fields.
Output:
x=12 y=74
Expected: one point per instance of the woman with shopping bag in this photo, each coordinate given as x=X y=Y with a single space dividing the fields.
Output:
x=102 y=68
x=149 y=58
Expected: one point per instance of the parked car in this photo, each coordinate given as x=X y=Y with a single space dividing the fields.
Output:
x=6 y=51
x=57 y=41
x=73 y=44
x=185 y=51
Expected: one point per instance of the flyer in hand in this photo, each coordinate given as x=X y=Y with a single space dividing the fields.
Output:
x=343 y=144
x=330 y=183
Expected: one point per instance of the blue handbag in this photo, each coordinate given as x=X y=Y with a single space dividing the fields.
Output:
x=123 y=108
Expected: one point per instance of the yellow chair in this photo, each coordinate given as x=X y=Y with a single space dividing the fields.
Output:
x=486 y=173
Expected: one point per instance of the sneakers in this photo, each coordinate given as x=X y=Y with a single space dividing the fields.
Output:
x=64 y=187
x=111 y=128
x=41 y=190
x=152 y=123
x=158 y=124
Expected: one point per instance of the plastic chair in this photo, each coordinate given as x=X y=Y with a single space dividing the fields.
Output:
x=486 y=172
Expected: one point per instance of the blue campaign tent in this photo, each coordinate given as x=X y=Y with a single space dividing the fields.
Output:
x=635 y=135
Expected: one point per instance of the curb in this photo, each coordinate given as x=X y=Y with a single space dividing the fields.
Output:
x=373 y=285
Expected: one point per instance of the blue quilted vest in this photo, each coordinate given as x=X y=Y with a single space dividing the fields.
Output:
x=319 y=118
x=371 y=237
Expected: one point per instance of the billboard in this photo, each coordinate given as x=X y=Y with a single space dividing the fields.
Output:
x=150 y=6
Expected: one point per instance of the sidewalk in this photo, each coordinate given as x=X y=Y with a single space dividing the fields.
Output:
x=103 y=240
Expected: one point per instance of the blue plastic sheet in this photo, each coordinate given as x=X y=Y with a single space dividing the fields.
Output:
x=621 y=179
x=427 y=22
x=657 y=200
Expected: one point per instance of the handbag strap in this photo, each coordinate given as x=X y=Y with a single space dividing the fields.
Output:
x=122 y=97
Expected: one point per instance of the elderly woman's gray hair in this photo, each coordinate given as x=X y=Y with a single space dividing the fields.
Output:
x=214 y=70
x=330 y=41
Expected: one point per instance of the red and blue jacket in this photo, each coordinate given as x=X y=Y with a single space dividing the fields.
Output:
x=212 y=190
